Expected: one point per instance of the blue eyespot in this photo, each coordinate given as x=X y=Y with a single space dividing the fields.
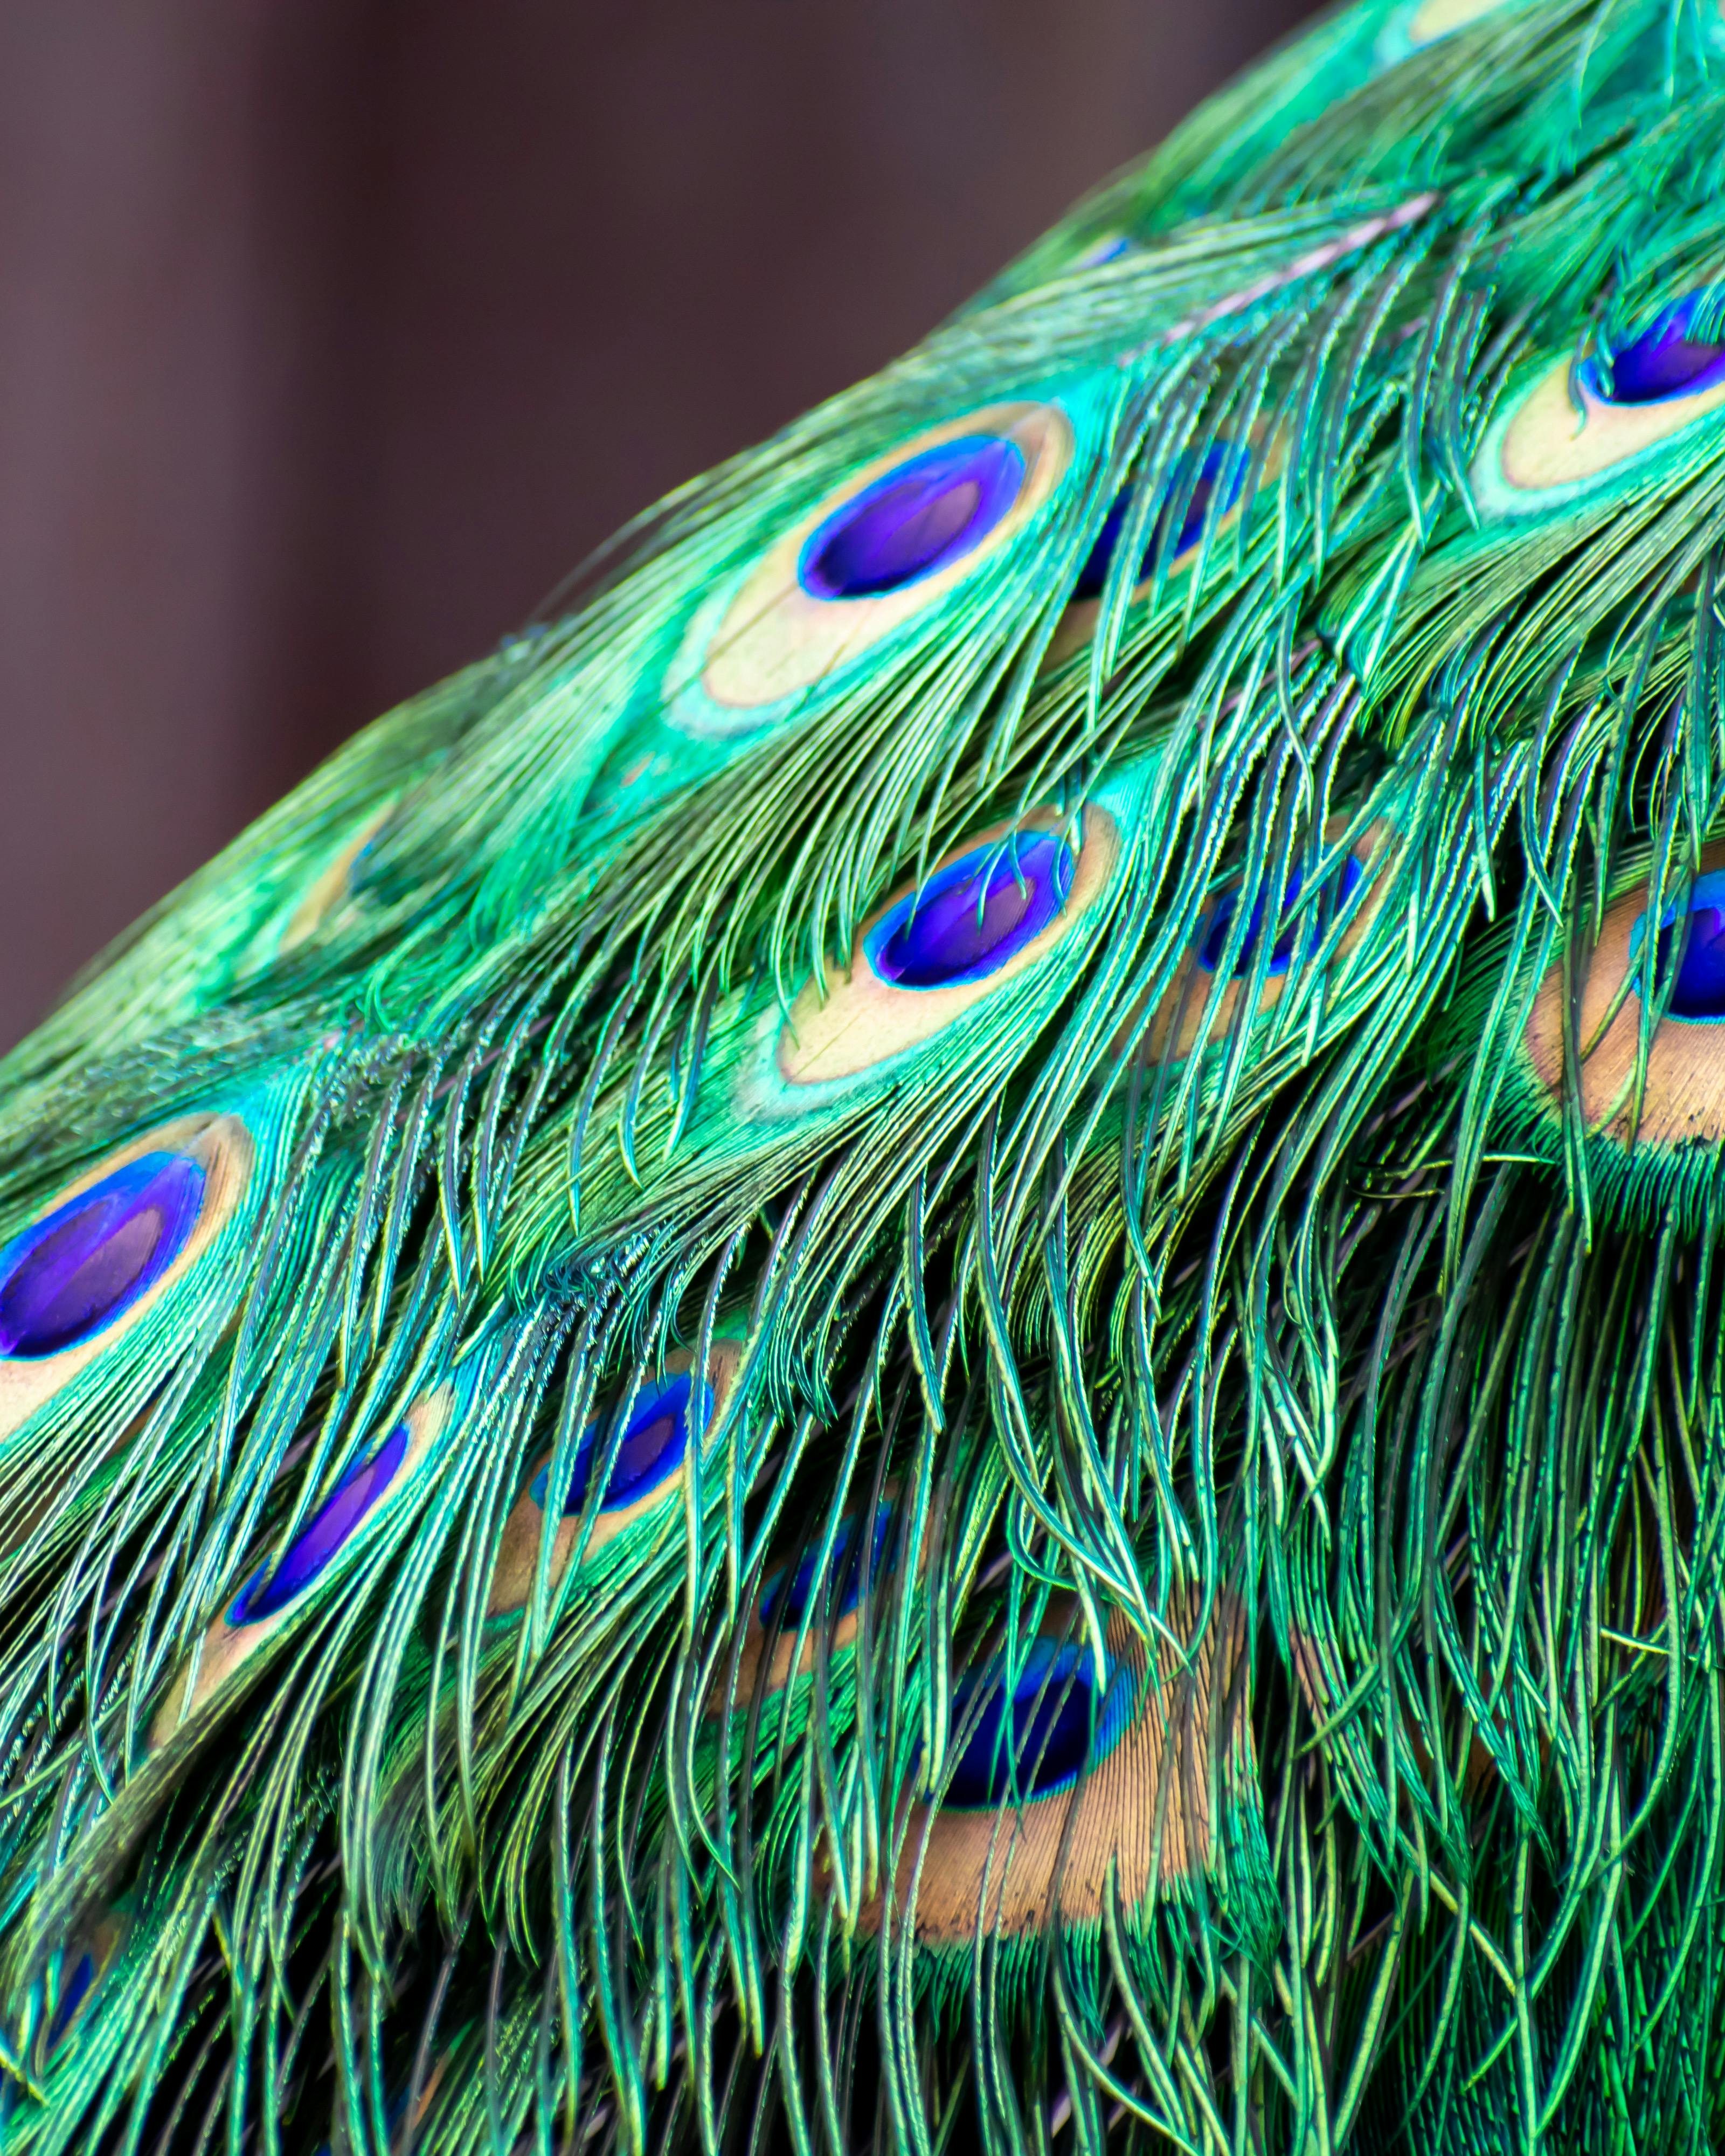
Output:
x=1214 y=948
x=70 y=1275
x=973 y=915
x=654 y=1441
x=1036 y=1741
x=1667 y=361
x=786 y=1605
x=75 y=1990
x=1698 y=992
x=913 y=520
x=331 y=1527
x=1221 y=472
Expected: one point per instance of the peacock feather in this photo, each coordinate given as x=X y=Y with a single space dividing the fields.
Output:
x=914 y=1343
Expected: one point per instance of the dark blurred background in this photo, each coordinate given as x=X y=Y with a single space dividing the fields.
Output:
x=333 y=332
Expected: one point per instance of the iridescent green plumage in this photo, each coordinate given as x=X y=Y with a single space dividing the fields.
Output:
x=1267 y=1316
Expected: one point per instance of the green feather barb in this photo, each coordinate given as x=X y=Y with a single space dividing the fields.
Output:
x=914 y=1343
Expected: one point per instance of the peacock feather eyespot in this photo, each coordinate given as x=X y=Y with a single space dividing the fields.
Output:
x=784 y=1602
x=1070 y=1782
x=278 y=1586
x=100 y=1262
x=882 y=548
x=973 y=915
x=794 y=1602
x=1034 y=1738
x=1006 y=901
x=1575 y=427
x=1689 y=953
x=1213 y=489
x=79 y=1984
x=81 y=1970
x=271 y=1589
x=1671 y=358
x=1191 y=1003
x=68 y=1277
x=914 y=520
x=665 y=1423
x=1206 y=489
x=1682 y=1103
x=653 y=1445
x=1213 y=952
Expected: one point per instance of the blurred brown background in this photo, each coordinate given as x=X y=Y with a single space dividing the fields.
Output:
x=333 y=332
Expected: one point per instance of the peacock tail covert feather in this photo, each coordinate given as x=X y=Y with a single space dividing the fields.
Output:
x=915 y=1344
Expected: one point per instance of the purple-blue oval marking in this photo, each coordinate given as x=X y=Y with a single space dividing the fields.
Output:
x=654 y=1444
x=973 y=915
x=1221 y=471
x=1698 y=992
x=73 y=1273
x=1036 y=1743
x=331 y=1526
x=913 y=520
x=1664 y=362
x=786 y=1603
x=77 y=1989
x=1282 y=954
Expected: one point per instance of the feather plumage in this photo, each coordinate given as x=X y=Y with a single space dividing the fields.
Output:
x=914 y=1343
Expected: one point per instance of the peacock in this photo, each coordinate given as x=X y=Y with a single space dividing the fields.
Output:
x=913 y=1343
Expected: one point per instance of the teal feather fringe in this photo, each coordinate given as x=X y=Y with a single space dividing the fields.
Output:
x=688 y=1542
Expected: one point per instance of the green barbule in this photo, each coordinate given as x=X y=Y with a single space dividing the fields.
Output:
x=1289 y=1277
